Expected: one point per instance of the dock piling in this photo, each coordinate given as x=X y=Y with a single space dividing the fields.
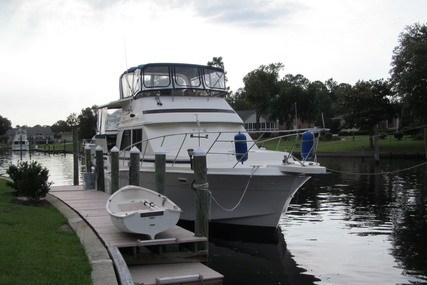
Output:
x=88 y=161
x=114 y=169
x=160 y=168
x=75 y=156
x=89 y=177
x=201 y=226
x=134 y=166
x=100 y=180
x=377 y=144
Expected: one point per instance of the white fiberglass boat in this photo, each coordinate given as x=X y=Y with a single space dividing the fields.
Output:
x=181 y=107
x=139 y=210
x=20 y=141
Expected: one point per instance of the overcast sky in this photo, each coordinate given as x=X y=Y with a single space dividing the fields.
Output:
x=60 y=56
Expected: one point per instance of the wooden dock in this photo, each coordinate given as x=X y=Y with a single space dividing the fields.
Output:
x=173 y=257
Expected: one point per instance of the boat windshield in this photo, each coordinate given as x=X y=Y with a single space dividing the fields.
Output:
x=172 y=79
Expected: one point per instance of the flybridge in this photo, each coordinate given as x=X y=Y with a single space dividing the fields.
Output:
x=175 y=79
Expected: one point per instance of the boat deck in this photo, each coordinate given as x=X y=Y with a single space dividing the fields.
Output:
x=172 y=255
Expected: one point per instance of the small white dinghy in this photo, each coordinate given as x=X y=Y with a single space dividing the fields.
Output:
x=140 y=210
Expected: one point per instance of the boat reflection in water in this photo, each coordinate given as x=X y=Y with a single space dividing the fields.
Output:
x=252 y=255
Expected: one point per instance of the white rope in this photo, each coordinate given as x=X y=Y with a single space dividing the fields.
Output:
x=378 y=173
x=254 y=169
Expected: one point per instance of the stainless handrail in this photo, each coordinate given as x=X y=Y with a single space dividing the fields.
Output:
x=287 y=134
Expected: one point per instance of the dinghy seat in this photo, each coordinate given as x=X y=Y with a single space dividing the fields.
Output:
x=132 y=206
x=137 y=205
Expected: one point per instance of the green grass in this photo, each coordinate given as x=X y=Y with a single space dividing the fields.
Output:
x=346 y=144
x=34 y=249
x=58 y=146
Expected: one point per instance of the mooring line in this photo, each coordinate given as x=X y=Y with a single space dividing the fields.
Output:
x=254 y=169
x=377 y=173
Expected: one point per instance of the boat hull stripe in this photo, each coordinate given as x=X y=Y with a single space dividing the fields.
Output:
x=188 y=110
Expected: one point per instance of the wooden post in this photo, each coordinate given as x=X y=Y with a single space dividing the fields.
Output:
x=88 y=161
x=114 y=169
x=134 y=167
x=425 y=139
x=75 y=156
x=88 y=177
x=160 y=164
x=377 y=144
x=100 y=179
x=20 y=144
x=201 y=226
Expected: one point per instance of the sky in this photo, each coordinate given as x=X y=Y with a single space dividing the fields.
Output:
x=58 y=57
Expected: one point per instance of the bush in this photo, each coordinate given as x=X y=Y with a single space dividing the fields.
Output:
x=398 y=135
x=30 y=179
x=328 y=136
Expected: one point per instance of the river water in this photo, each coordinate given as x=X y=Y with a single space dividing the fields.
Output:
x=345 y=227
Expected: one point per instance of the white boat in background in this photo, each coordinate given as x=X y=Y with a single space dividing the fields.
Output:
x=139 y=210
x=20 y=141
x=181 y=107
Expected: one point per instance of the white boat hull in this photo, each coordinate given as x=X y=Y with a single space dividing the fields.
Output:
x=139 y=210
x=237 y=198
x=17 y=147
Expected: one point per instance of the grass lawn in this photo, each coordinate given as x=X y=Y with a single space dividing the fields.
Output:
x=37 y=246
x=406 y=145
x=58 y=146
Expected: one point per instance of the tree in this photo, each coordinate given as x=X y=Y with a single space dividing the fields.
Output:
x=283 y=105
x=72 y=120
x=5 y=125
x=322 y=104
x=297 y=92
x=238 y=101
x=216 y=62
x=409 y=71
x=60 y=127
x=261 y=85
x=369 y=102
x=87 y=122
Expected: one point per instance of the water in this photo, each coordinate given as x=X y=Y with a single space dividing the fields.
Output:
x=60 y=166
x=341 y=228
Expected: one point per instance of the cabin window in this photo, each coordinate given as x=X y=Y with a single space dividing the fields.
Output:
x=131 y=83
x=156 y=76
x=137 y=138
x=126 y=140
x=187 y=76
x=214 y=78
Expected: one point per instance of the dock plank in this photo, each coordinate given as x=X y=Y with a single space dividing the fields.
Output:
x=189 y=273
x=91 y=205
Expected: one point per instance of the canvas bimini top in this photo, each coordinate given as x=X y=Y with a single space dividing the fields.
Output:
x=174 y=79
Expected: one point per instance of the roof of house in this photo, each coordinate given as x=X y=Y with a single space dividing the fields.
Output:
x=245 y=114
x=31 y=131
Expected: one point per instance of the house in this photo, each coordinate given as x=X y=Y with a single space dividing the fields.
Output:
x=392 y=124
x=36 y=135
x=249 y=119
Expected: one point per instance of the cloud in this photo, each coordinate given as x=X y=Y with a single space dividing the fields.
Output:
x=246 y=13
